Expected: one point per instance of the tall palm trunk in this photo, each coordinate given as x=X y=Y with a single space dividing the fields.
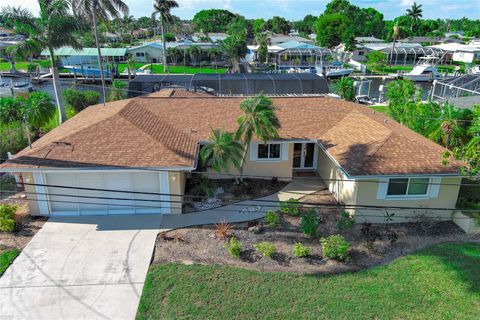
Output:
x=165 y=66
x=242 y=162
x=56 y=88
x=99 y=56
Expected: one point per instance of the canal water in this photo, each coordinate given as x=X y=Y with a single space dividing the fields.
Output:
x=47 y=86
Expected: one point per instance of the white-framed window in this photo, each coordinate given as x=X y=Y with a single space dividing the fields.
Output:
x=140 y=54
x=269 y=151
x=408 y=187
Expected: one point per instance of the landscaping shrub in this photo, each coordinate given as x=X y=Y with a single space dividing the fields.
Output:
x=79 y=100
x=335 y=247
x=12 y=138
x=200 y=186
x=7 y=223
x=272 y=219
x=299 y=250
x=234 y=247
x=290 y=207
x=346 y=221
x=309 y=223
x=267 y=249
x=223 y=230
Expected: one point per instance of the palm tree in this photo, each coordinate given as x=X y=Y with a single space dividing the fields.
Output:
x=222 y=151
x=261 y=40
x=54 y=28
x=162 y=8
x=259 y=120
x=99 y=10
x=213 y=53
x=194 y=52
x=398 y=31
x=118 y=91
x=344 y=87
x=415 y=13
x=128 y=26
x=131 y=67
x=448 y=129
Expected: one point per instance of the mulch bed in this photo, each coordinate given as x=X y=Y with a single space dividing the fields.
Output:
x=198 y=244
x=234 y=192
x=26 y=225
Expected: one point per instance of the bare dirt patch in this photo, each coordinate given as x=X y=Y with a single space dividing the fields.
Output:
x=26 y=225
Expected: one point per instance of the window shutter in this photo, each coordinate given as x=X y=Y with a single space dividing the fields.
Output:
x=284 y=150
x=435 y=187
x=382 y=188
x=253 y=151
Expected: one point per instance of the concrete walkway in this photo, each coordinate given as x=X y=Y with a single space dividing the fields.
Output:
x=94 y=267
x=245 y=210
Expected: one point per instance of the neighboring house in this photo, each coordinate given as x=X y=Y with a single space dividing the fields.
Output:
x=280 y=38
x=9 y=40
x=151 y=144
x=147 y=52
x=371 y=39
x=461 y=52
x=70 y=56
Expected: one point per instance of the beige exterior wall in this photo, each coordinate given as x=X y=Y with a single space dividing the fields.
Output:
x=356 y=192
x=367 y=195
x=32 y=204
x=344 y=191
x=282 y=169
x=177 y=186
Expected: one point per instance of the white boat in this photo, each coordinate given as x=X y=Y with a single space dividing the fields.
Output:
x=336 y=70
x=8 y=87
x=424 y=70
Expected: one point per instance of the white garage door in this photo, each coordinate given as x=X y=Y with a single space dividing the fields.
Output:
x=76 y=201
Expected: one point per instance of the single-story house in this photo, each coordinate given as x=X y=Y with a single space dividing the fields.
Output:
x=151 y=145
x=147 y=52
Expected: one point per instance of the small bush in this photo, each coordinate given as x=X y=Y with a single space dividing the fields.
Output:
x=299 y=250
x=309 y=223
x=201 y=186
x=7 y=223
x=290 y=207
x=272 y=219
x=346 y=221
x=223 y=230
x=79 y=100
x=267 y=249
x=233 y=247
x=335 y=247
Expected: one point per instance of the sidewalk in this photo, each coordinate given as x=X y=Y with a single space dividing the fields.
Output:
x=244 y=210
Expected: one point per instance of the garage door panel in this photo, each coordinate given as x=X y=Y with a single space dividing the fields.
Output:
x=147 y=182
x=94 y=202
x=90 y=202
x=62 y=199
x=122 y=202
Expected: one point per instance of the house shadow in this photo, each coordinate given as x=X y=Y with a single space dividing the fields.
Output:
x=115 y=222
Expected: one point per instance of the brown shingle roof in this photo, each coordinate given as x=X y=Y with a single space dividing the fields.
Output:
x=163 y=130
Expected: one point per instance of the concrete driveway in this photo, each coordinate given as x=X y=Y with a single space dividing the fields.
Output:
x=81 y=268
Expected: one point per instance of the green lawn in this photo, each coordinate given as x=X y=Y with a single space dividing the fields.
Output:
x=382 y=109
x=442 y=282
x=21 y=65
x=6 y=258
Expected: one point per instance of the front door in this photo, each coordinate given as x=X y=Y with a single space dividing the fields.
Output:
x=304 y=155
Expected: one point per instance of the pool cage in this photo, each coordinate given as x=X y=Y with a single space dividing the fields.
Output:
x=464 y=86
x=410 y=56
x=302 y=58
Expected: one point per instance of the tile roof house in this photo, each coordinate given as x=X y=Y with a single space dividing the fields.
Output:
x=151 y=143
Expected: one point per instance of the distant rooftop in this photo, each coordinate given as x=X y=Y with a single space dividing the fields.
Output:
x=69 y=51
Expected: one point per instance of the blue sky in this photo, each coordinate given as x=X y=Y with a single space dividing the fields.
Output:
x=296 y=9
